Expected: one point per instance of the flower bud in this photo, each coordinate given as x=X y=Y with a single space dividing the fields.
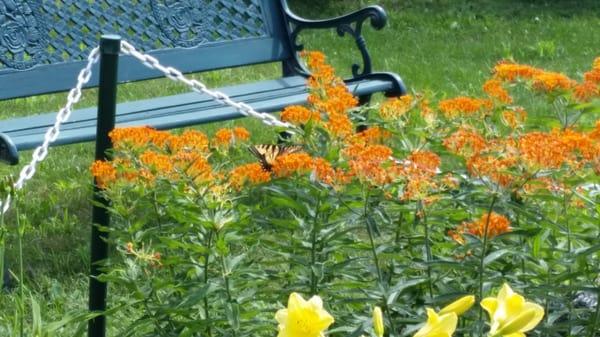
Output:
x=459 y=306
x=378 y=322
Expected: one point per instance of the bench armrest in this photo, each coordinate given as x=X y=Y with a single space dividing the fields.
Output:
x=346 y=24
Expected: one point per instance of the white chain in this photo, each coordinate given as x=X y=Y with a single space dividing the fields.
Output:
x=40 y=153
x=200 y=87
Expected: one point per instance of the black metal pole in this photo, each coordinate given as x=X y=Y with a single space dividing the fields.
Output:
x=110 y=46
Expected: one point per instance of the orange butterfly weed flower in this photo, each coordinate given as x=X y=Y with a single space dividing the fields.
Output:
x=508 y=71
x=339 y=125
x=133 y=136
x=496 y=224
x=550 y=81
x=224 y=138
x=252 y=174
x=494 y=89
x=495 y=168
x=293 y=163
x=542 y=150
x=395 y=108
x=514 y=119
x=299 y=115
x=595 y=134
x=104 y=172
x=465 y=142
x=370 y=136
x=462 y=105
x=368 y=163
x=581 y=146
x=585 y=91
x=191 y=140
x=425 y=162
x=200 y=170
x=337 y=99
x=593 y=76
x=325 y=173
x=157 y=162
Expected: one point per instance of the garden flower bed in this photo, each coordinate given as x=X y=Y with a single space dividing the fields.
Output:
x=390 y=219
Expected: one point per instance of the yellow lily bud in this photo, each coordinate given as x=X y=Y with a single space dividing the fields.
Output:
x=510 y=314
x=517 y=324
x=459 y=306
x=378 y=322
x=438 y=325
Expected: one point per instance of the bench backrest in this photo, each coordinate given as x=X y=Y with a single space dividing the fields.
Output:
x=44 y=43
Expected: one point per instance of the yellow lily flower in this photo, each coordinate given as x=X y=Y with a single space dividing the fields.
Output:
x=303 y=318
x=510 y=314
x=459 y=306
x=378 y=322
x=438 y=325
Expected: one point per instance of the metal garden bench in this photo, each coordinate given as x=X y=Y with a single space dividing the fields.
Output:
x=44 y=44
x=50 y=46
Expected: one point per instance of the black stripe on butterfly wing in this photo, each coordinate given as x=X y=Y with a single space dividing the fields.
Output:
x=267 y=153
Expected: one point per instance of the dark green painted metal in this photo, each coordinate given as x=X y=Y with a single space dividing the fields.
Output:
x=110 y=46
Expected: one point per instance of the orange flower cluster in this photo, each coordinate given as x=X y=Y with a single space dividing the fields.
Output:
x=587 y=90
x=138 y=136
x=543 y=150
x=395 y=108
x=225 y=138
x=325 y=173
x=189 y=140
x=494 y=89
x=514 y=118
x=550 y=81
x=462 y=105
x=293 y=163
x=370 y=136
x=104 y=172
x=329 y=96
x=496 y=224
x=418 y=173
x=493 y=167
x=541 y=79
x=370 y=163
x=299 y=115
x=465 y=142
x=508 y=71
x=252 y=173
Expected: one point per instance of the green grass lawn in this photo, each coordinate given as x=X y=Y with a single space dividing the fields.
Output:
x=443 y=46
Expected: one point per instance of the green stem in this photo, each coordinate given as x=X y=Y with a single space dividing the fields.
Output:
x=482 y=258
x=155 y=203
x=428 y=253
x=371 y=240
x=399 y=228
x=206 y=260
x=227 y=286
x=569 y=269
x=20 y=233
x=313 y=247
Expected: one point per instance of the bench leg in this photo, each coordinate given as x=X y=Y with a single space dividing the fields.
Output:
x=107 y=102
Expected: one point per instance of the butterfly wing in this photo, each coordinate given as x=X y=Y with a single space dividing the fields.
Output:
x=267 y=153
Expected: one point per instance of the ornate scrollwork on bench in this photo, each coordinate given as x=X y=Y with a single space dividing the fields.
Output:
x=22 y=34
x=351 y=24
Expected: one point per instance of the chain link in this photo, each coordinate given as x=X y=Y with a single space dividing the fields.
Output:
x=199 y=87
x=41 y=152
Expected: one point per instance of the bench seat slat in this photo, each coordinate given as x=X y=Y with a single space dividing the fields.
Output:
x=173 y=111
